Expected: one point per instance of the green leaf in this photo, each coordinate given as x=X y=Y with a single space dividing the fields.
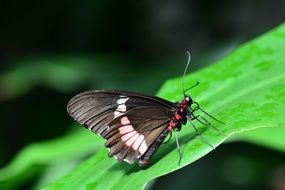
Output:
x=32 y=159
x=245 y=90
x=272 y=138
x=59 y=73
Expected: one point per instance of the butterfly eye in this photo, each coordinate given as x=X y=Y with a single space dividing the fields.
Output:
x=187 y=98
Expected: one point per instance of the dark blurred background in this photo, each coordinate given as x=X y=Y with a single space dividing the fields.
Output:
x=51 y=50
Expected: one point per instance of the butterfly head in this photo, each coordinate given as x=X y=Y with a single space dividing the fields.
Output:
x=188 y=100
x=193 y=105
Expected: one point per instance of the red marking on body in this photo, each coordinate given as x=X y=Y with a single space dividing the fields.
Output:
x=178 y=117
x=183 y=104
x=172 y=124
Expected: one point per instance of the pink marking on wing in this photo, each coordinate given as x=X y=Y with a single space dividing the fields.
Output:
x=143 y=147
x=128 y=136
x=138 y=142
x=126 y=129
x=132 y=140
x=125 y=121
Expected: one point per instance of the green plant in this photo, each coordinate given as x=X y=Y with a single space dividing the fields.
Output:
x=245 y=90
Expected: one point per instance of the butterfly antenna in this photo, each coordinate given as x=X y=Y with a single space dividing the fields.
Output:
x=184 y=74
x=185 y=71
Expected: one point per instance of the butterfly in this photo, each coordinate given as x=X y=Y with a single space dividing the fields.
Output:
x=133 y=124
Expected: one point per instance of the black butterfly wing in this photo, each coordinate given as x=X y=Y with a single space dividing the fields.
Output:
x=130 y=134
x=130 y=122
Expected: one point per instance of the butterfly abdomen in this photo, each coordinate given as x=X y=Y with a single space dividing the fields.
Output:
x=144 y=159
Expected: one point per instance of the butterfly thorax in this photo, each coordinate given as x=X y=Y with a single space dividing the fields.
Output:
x=180 y=115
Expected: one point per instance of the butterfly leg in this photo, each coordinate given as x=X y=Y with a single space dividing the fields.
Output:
x=178 y=148
x=169 y=138
x=208 y=124
x=204 y=122
x=210 y=116
x=198 y=133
